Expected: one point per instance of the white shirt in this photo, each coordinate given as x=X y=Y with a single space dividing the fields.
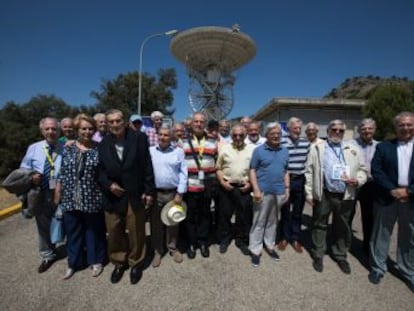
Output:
x=404 y=155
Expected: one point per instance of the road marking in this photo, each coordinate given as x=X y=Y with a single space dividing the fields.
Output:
x=6 y=212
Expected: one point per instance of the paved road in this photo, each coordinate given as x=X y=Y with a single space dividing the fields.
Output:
x=221 y=282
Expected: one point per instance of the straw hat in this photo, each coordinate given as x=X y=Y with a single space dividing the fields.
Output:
x=172 y=213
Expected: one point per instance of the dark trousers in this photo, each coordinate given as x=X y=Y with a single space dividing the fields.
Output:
x=291 y=212
x=161 y=235
x=197 y=222
x=341 y=231
x=366 y=195
x=86 y=241
x=240 y=203
x=126 y=248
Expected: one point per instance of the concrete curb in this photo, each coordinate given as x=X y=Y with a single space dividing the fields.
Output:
x=14 y=209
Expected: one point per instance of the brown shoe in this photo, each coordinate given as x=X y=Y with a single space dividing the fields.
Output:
x=282 y=245
x=156 y=261
x=297 y=247
x=176 y=255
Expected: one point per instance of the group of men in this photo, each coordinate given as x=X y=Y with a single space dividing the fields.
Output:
x=237 y=171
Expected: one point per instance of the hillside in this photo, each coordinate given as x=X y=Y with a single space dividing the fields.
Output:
x=362 y=87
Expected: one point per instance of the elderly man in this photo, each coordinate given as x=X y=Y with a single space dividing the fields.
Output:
x=311 y=131
x=127 y=180
x=334 y=171
x=100 y=120
x=234 y=195
x=45 y=158
x=366 y=193
x=152 y=132
x=135 y=123
x=245 y=121
x=170 y=173
x=291 y=216
x=66 y=128
x=393 y=171
x=253 y=134
x=224 y=131
x=179 y=134
x=200 y=155
x=270 y=182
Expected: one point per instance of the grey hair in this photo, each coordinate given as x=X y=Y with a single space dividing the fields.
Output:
x=270 y=126
x=293 y=120
x=402 y=115
x=43 y=120
x=334 y=122
x=238 y=126
x=312 y=124
x=65 y=119
x=367 y=121
x=98 y=115
x=155 y=114
x=167 y=127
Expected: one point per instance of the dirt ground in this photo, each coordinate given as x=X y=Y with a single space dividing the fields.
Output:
x=7 y=199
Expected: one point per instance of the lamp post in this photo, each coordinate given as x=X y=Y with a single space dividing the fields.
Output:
x=141 y=49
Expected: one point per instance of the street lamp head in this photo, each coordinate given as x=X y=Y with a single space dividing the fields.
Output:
x=171 y=32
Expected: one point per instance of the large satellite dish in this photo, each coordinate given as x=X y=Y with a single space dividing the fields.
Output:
x=211 y=55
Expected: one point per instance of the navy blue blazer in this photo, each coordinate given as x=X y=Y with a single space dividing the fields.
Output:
x=134 y=173
x=384 y=170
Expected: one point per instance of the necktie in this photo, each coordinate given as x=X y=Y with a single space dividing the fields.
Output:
x=47 y=168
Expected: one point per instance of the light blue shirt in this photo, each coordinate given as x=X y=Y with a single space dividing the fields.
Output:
x=35 y=158
x=333 y=155
x=170 y=169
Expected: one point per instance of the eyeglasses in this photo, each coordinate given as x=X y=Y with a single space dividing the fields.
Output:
x=338 y=130
x=237 y=135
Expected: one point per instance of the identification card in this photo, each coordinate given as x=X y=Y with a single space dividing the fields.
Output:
x=340 y=172
x=201 y=175
x=52 y=184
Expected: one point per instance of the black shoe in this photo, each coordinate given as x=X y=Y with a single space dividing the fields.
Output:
x=272 y=253
x=135 y=275
x=45 y=264
x=205 y=252
x=117 y=274
x=317 y=264
x=223 y=247
x=244 y=249
x=375 y=277
x=255 y=260
x=191 y=253
x=344 y=266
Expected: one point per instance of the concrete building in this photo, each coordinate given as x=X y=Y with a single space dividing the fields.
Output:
x=318 y=110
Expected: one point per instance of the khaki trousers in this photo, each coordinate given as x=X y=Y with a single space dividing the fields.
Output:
x=126 y=236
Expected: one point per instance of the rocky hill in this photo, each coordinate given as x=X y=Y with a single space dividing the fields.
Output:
x=362 y=87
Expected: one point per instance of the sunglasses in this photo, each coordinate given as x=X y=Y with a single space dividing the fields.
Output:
x=237 y=135
x=337 y=130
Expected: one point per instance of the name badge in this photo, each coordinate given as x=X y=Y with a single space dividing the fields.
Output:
x=340 y=172
x=52 y=184
x=201 y=175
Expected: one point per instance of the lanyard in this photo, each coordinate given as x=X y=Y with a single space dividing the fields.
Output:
x=50 y=159
x=339 y=155
x=201 y=144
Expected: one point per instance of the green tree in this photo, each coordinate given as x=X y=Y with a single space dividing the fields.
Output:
x=385 y=103
x=122 y=92
x=19 y=126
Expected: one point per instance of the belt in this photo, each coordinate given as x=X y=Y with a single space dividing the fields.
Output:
x=164 y=190
x=296 y=176
x=235 y=184
x=336 y=194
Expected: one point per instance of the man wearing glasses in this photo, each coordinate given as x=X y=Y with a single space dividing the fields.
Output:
x=233 y=174
x=334 y=171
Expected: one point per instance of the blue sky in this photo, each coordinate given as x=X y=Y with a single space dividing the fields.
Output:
x=304 y=48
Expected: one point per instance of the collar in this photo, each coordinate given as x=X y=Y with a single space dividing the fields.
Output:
x=168 y=149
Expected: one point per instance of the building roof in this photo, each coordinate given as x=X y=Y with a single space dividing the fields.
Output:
x=306 y=102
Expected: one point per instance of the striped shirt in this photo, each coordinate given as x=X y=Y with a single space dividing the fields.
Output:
x=298 y=154
x=206 y=151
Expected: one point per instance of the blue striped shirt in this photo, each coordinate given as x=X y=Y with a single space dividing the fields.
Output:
x=298 y=154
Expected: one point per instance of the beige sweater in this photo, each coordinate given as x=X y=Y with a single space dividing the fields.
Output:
x=314 y=174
